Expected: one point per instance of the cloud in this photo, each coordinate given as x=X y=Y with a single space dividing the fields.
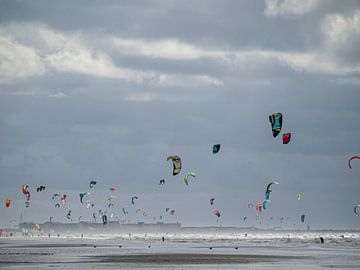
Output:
x=18 y=61
x=58 y=95
x=289 y=7
x=187 y=80
x=312 y=62
x=165 y=48
x=340 y=29
x=56 y=51
x=71 y=53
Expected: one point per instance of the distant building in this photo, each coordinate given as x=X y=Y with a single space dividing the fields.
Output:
x=92 y=227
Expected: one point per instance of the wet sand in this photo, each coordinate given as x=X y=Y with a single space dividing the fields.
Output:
x=191 y=258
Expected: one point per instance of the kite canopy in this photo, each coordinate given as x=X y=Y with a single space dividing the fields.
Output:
x=356 y=209
x=286 y=138
x=264 y=204
x=298 y=197
x=68 y=215
x=63 y=199
x=92 y=183
x=267 y=195
x=41 y=188
x=186 y=178
x=212 y=201
x=216 y=148
x=302 y=218
x=216 y=213
x=176 y=160
x=172 y=212
x=259 y=206
x=82 y=195
x=268 y=189
x=26 y=192
x=276 y=123
x=133 y=199
x=24 y=188
x=7 y=202
x=353 y=157
x=104 y=218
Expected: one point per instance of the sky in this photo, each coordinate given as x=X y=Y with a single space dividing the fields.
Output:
x=108 y=90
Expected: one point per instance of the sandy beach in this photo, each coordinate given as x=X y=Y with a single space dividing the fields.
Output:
x=270 y=250
x=191 y=258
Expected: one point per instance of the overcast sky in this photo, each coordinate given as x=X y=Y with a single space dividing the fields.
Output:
x=107 y=90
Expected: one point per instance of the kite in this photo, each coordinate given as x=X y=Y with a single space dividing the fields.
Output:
x=245 y=218
x=298 y=197
x=167 y=209
x=7 y=203
x=133 y=200
x=27 y=204
x=68 y=215
x=276 y=123
x=138 y=210
x=216 y=148
x=92 y=183
x=124 y=210
x=41 y=188
x=57 y=205
x=267 y=195
x=82 y=196
x=176 y=160
x=212 y=201
x=172 y=212
x=162 y=182
x=268 y=189
x=216 y=213
x=26 y=192
x=55 y=195
x=286 y=138
x=24 y=188
x=355 y=209
x=112 y=189
x=302 y=218
x=63 y=199
x=353 y=157
x=186 y=178
x=264 y=204
x=259 y=206
x=88 y=204
x=50 y=219
x=104 y=218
